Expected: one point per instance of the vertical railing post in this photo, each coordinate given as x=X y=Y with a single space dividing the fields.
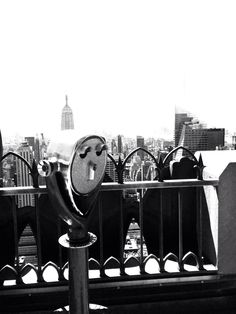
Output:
x=199 y=227
x=15 y=226
x=122 y=266
x=160 y=234
x=38 y=240
x=101 y=244
x=142 y=268
x=180 y=229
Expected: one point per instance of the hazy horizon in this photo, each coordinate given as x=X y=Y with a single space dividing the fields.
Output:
x=124 y=65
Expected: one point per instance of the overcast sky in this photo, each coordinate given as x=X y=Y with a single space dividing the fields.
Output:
x=124 y=65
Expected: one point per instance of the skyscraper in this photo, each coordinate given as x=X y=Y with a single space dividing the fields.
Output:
x=180 y=120
x=67 y=121
x=140 y=143
x=204 y=138
x=23 y=176
x=111 y=170
x=119 y=143
x=113 y=147
x=194 y=135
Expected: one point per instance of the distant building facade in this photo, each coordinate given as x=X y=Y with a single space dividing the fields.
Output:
x=110 y=167
x=111 y=170
x=119 y=144
x=234 y=140
x=196 y=136
x=67 y=120
x=204 y=139
x=114 y=149
x=23 y=177
x=140 y=143
x=180 y=119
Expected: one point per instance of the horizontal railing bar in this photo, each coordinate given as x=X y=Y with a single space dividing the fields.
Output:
x=111 y=282
x=110 y=186
x=11 y=191
x=154 y=281
x=36 y=288
x=31 y=289
x=113 y=186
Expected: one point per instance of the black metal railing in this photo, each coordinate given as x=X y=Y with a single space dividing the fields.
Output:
x=116 y=261
x=170 y=212
x=158 y=254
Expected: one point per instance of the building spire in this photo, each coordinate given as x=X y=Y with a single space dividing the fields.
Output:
x=67 y=121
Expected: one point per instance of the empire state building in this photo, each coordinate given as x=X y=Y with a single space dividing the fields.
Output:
x=67 y=121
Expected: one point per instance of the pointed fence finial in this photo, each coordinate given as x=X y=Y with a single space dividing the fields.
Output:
x=200 y=168
x=119 y=170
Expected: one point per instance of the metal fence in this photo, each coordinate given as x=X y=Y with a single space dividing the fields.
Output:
x=165 y=257
x=146 y=230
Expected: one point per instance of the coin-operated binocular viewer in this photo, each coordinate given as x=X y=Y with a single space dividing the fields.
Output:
x=74 y=174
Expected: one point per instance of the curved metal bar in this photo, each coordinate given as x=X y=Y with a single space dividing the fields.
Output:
x=32 y=169
x=18 y=156
x=120 y=166
x=143 y=149
x=112 y=159
x=177 y=148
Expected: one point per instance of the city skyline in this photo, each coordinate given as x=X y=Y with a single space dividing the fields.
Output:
x=124 y=66
x=167 y=134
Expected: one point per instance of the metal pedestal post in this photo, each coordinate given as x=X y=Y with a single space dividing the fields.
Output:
x=78 y=280
x=78 y=273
